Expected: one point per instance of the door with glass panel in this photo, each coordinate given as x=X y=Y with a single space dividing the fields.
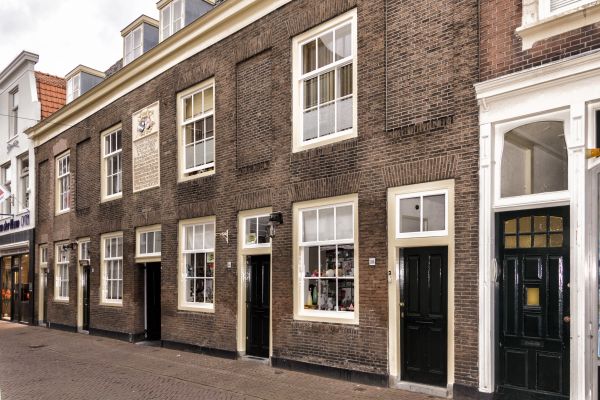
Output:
x=7 y=288
x=533 y=259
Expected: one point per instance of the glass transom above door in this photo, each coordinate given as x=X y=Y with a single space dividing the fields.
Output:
x=533 y=232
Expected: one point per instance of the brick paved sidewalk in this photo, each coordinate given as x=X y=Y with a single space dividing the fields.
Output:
x=39 y=363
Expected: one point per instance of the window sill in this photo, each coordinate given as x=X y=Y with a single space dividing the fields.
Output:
x=332 y=317
x=107 y=303
x=556 y=24
x=111 y=197
x=61 y=300
x=185 y=176
x=197 y=308
x=533 y=200
x=147 y=259
x=324 y=140
x=57 y=213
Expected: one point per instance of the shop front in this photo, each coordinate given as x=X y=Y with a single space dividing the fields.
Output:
x=16 y=277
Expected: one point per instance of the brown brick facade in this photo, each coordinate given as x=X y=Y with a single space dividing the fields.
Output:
x=425 y=129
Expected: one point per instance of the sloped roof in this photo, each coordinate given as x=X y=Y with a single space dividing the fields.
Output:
x=52 y=93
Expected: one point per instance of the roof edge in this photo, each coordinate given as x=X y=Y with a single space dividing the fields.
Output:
x=137 y=22
x=23 y=57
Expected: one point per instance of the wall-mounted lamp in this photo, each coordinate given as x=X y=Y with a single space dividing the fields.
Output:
x=69 y=246
x=225 y=235
x=275 y=219
x=592 y=153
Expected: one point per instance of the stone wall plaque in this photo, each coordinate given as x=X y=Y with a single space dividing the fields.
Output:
x=146 y=148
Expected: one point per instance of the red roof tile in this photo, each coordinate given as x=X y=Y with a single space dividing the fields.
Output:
x=52 y=92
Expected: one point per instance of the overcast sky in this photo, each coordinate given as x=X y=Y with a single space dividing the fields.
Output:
x=66 y=33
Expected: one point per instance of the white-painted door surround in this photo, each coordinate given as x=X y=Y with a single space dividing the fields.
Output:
x=564 y=91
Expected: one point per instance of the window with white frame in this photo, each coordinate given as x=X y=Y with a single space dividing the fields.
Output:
x=422 y=214
x=197 y=130
x=84 y=250
x=24 y=182
x=13 y=112
x=133 y=45
x=552 y=7
x=256 y=231
x=327 y=258
x=113 y=165
x=198 y=258
x=149 y=242
x=171 y=18
x=112 y=274
x=5 y=180
x=324 y=69
x=61 y=277
x=43 y=256
x=63 y=183
x=73 y=88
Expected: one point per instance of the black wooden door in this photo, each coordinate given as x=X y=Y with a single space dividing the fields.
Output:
x=533 y=354
x=258 y=306
x=153 y=301
x=424 y=315
x=86 y=298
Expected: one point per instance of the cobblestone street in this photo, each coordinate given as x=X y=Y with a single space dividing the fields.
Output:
x=39 y=363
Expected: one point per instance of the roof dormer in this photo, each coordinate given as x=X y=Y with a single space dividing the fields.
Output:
x=80 y=80
x=139 y=37
x=175 y=14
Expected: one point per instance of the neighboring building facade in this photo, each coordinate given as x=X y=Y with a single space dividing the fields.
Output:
x=26 y=97
x=160 y=191
x=539 y=108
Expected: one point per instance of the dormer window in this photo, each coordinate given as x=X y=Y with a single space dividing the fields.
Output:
x=73 y=88
x=171 y=18
x=133 y=45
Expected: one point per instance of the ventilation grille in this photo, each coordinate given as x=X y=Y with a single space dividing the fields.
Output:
x=556 y=5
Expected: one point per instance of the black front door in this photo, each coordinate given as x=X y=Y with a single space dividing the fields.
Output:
x=258 y=306
x=86 y=298
x=16 y=297
x=533 y=353
x=153 y=301
x=424 y=314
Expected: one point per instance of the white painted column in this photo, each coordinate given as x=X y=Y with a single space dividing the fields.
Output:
x=486 y=266
x=580 y=273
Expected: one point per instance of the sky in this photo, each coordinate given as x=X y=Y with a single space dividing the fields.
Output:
x=66 y=33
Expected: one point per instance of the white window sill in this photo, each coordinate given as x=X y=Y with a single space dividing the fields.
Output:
x=62 y=212
x=205 y=308
x=111 y=197
x=147 y=258
x=64 y=300
x=324 y=140
x=109 y=303
x=553 y=25
x=187 y=177
x=257 y=246
x=333 y=317
x=408 y=235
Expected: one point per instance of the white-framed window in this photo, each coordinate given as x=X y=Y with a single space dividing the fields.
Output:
x=112 y=268
x=13 y=112
x=133 y=45
x=63 y=183
x=61 y=272
x=171 y=18
x=24 y=190
x=73 y=88
x=148 y=241
x=197 y=130
x=84 y=250
x=43 y=255
x=112 y=162
x=5 y=180
x=422 y=214
x=256 y=231
x=548 y=8
x=197 y=264
x=324 y=70
x=327 y=264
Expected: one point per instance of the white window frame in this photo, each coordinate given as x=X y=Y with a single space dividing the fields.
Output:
x=183 y=304
x=300 y=313
x=557 y=198
x=130 y=50
x=256 y=245
x=13 y=111
x=60 y=267
x=106 y=158
x=83 y=244
x=298 y=77
x=169 y=25
x=61 y=177
x=43 y=255
x=24 y=190
x=73 y=87
x=545 y=8
x=148 y=257
x=207 y=168
x=6 y=181
x=104 y=300
x=421 y=233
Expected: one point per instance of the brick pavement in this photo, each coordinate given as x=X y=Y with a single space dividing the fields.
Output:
x=40 y=363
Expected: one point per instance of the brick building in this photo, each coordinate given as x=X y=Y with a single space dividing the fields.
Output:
x=354 y=123
x=539 y=102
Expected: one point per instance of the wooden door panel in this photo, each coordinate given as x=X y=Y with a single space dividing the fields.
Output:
x=258 y=306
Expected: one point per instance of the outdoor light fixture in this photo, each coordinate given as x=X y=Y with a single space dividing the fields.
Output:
x=224 y=235
x=275 y=219
x=592 y=153
x=69 y=246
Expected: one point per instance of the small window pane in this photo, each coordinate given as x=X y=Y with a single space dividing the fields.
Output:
x=157 y=242
x=525 y=241
x=189 y=238
x=198 y=237
x=309 y=57
x=309 y=226
x=325 y=47
x=539 y=240
x=344 y=114
x=510 y=242
x=556 y=224
x=327 y=119
x=525 y=225
x=208 y=99
x=345 y=80
x=345 y=260
x=533 y=296
x=410 y=215
x=150 y=242
x=556 y=240
x=540 y=224
x=344 y=223
x=187 y=105
x=311 y=261
x=510 y=226
x=326 y=224
x=251 y=229
x=209 y=236
x=197 y=103
x=143 y=243
x=327 y=261
x=343 y=47
x=310 y=93
x=263 y=230
x=310 y=124
x=434 y=213
x=327 y=87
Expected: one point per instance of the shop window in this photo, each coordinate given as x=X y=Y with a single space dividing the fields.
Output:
x=256 y=231
x=198 y=263
x=327 y=262
x=422 y=214
x=534 y=159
